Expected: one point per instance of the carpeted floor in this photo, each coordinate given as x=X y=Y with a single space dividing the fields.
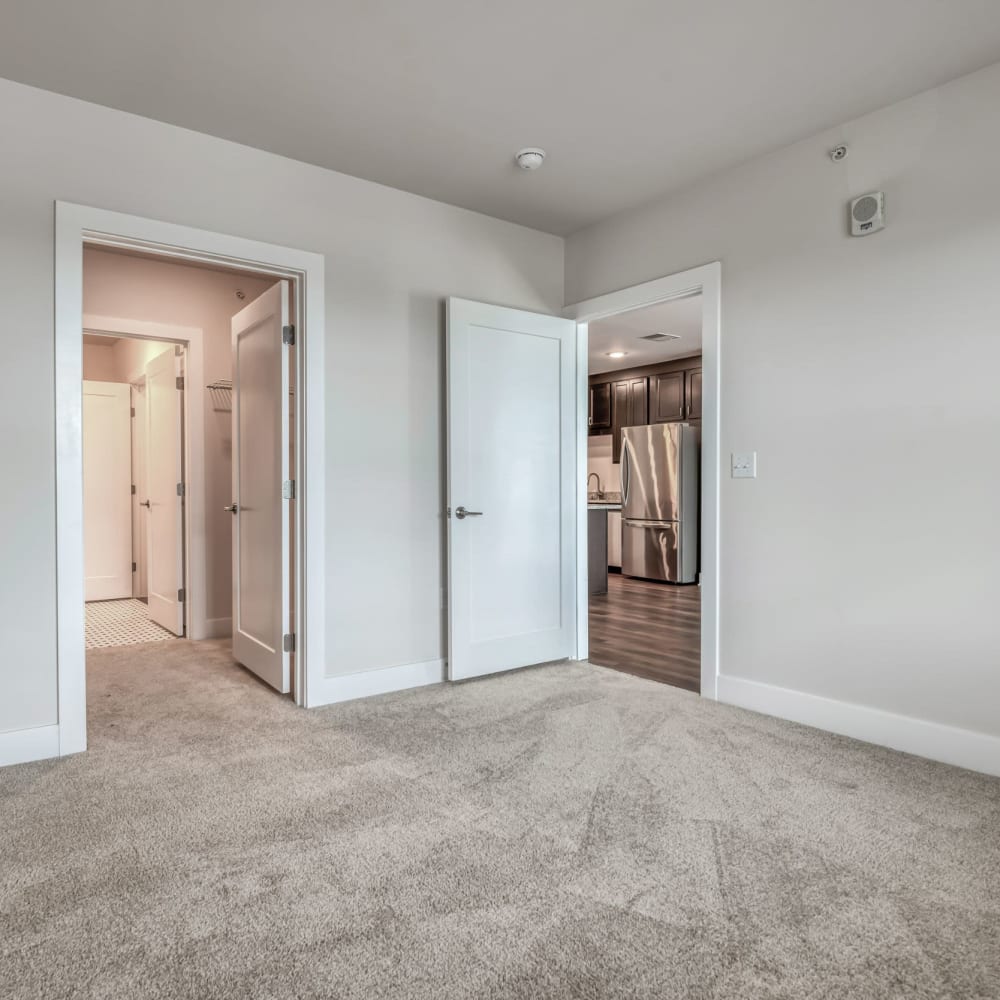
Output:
x=562 y=832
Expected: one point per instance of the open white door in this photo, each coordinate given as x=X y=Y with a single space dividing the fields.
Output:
x=164 y=501
x=260 y=495
x=107 y=481
x=511 y=488
x=139 y=490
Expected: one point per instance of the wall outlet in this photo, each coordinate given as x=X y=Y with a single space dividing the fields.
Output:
x=744 y=464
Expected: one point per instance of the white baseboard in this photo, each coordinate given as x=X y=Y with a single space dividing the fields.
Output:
x=948 y=744
x=348 y=687
x=218 y=628
x=24 y=745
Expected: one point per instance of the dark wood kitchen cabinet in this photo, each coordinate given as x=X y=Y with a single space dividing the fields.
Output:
x=661 y=393
x=693 y=394
x=629 y=408
x=666 y=397
x=599 y=416
x=675 y=396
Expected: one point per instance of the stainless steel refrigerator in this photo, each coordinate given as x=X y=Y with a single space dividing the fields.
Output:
x=660 y=468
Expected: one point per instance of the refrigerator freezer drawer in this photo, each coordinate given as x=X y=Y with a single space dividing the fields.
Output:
x=656 y=550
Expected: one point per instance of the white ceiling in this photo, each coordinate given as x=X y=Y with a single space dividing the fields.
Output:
x=623 y=333
x=630 y=99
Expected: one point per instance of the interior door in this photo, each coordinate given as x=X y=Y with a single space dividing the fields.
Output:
x=511 y=488
x=107 y=482
x=164 y=500
x=261 y=548
x=139 y=491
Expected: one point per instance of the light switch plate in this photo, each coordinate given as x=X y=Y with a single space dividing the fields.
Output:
x=744 y=464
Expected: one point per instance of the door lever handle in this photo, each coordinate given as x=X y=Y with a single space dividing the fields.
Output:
x=144 y=503
x=461 y=513
x=232 y=508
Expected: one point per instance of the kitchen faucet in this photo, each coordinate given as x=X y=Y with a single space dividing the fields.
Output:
x=600 y=489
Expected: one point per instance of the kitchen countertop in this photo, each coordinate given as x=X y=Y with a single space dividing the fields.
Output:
x=598 y=505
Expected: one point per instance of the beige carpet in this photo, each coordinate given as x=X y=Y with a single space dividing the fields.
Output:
x=563 y=832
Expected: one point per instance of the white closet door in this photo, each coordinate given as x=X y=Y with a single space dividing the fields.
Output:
x=164 y=476
x=261 y=550
x=107 y=491
x=511 y=488
x=139 y=490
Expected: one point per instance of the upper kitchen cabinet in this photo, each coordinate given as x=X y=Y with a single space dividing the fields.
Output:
x=666 y=397
x=694 y=394
x=647 y=394
x=675 y=395
x=600 y=408
x=629 y=408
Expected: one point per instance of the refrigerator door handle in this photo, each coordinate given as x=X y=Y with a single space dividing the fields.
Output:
x=624 y=473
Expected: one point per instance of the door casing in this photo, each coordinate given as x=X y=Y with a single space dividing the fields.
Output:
x=706 y=280
x=80 y=224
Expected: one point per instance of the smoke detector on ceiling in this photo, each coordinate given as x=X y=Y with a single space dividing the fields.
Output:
x=660 y=337
x=530 y=158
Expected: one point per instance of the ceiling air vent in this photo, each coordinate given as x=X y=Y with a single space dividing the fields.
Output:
x=658 y=337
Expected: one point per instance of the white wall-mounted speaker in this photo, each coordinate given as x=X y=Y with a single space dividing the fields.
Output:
x=868 y=214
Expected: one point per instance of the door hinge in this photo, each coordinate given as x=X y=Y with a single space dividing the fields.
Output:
x=180 y=595
x=288 y=489
x=288 y=642
x=288 y=335
x=180 y=489
x=132 y=408
x=133 y=567
x=133 y=489
x=180 y=381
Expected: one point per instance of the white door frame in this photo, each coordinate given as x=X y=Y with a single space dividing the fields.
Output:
x=706 y=279
x=79 y=224
x=192 y=339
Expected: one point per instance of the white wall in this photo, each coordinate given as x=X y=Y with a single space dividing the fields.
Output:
x=156 y=291
x=862 y=564
x=391 y=259
x=99 y=363
x=599 y=460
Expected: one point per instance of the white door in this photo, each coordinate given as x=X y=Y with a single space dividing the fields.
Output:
x=107 y=491
x=139 y=490
x=260 y=471
x=511 y=488
x=164 y=499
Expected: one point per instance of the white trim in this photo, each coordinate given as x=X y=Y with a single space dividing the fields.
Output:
x=582 y=521
x=948 y=744
x=23 y=745
x=348 y=687
x=706 y=279
x=195 y=542
x=74 y=225
x=218 y=628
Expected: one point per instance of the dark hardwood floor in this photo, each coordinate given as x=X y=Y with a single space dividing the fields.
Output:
x=648 y=629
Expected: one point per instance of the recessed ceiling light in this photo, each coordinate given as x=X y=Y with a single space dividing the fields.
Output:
x=617 y=354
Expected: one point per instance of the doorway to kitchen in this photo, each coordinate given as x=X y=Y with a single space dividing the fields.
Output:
x=643 y=464
x=648 y=454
